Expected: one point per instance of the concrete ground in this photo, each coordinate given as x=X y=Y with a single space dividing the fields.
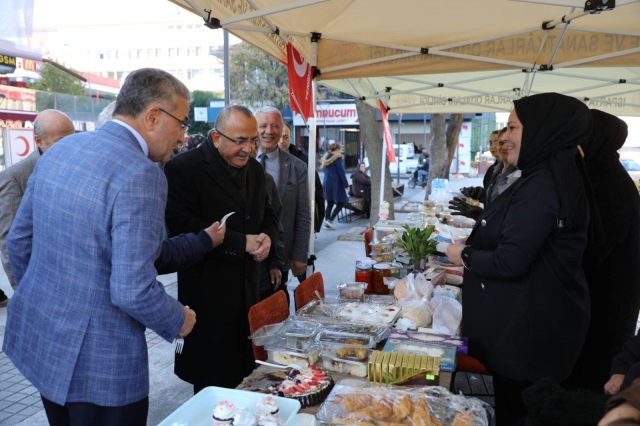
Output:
x=20 y=403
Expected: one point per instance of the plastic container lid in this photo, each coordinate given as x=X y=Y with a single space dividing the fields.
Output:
x=339 y=339
x=330 y=353
x=381 y=266
x=300 y=329
x=266 y=333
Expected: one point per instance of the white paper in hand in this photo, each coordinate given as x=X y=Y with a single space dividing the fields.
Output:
x=224 y=219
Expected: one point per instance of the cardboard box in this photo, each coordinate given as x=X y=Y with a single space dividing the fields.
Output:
x=460 y=343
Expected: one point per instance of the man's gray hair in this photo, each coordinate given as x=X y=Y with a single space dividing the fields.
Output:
x=226 y=112
x=38 y=129
x=105 y=115
x=145 y=86
x=269 y=110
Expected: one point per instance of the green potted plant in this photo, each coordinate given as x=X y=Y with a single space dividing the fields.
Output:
x=418 y=243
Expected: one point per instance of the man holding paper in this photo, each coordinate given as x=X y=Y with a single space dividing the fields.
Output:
x=219 y=177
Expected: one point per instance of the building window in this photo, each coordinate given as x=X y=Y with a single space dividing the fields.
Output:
x=149 y=53
x=199 y=51
x=119 y=75
x=180 y=51
x=139 y=53
x=191 y=51
x=172 y=51
x=191 y=74
x=158 y=53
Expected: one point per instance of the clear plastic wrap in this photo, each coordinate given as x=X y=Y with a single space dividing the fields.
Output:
x=356 y=402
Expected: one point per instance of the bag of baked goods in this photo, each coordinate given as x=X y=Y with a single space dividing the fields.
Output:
x=354 y=402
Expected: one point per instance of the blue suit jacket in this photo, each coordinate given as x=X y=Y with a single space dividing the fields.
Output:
x=82 y=248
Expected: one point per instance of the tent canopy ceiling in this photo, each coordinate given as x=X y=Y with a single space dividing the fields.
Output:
x=454 y=56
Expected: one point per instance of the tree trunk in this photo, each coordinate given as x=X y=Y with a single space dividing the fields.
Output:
x=444 y=140
x=453 y=131
x=373 y=144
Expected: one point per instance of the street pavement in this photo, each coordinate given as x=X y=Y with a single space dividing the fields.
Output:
x=20 y=402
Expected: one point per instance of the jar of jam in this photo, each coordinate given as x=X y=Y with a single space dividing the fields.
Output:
x=380 y=271
x=364 y=274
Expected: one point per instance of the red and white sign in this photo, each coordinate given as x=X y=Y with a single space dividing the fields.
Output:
x=388 y=140
x=300 y=83
x=333 y=115
x=18 y=144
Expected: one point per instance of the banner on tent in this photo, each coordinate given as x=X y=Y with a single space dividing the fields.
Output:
x=300 y=83
x=388 y=140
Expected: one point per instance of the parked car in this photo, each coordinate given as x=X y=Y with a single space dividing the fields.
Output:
x=633 y=169
x=407 y=165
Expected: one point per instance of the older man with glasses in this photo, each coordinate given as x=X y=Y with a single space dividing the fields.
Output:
x=219 y=177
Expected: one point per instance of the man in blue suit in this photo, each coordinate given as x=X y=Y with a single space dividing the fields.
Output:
x=82 y=249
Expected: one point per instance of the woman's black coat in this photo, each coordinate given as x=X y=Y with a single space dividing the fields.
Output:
x=525 y=299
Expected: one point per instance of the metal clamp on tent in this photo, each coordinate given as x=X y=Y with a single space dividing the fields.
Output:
x=209 y=22
x=599 y=6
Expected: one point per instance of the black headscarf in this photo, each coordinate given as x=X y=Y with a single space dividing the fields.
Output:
x=553 y=127
x=608 y=136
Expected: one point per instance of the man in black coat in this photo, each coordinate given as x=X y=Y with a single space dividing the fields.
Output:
x=217 y=178
x=285 y=145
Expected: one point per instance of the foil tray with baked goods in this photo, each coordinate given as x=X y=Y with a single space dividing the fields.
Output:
x=354 y=402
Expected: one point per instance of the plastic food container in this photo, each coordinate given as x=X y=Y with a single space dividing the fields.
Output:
x=381 y=299
x=267 y=334
x=382 y=257
x=377 y=332
x=381 y=247
x=346 y=366
x=338 y=339
x=352 y=290
x=319 y=311
x=281 y=354
x=298 y=333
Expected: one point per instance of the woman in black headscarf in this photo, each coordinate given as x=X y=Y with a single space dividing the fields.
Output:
x=612 y=268
x=525 y=300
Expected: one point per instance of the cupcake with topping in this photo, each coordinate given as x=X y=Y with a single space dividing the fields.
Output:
x=223 y=413
x=268 y=406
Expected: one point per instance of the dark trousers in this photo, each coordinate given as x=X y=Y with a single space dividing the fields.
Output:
x=86 y=413
x=510 y=407
x=332 y=215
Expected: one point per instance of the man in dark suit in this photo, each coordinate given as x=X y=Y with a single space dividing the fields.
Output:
x=82 y=250
x=286 y=145
x=290 y=175
x=206 y=183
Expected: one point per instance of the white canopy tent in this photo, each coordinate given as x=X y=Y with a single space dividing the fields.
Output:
x=458 y=56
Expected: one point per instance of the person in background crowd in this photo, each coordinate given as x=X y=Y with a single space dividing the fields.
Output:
x=423 y=156
x=286 y=145
x=523 y=260
x=82 y=250
x=48 y=128
x=105 y=115
x=493 y=148
x=192 y=142
x=290 y=176
x=361 y=184
x=423 y=170
x=205 y=184
x=612 y=268
x=335 y=183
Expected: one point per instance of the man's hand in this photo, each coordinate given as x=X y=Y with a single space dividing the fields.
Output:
x=471 y=191
x=624 y=411
x=462 y=208
x=189 y=322
x=454 y=253
x=297 y=267
x=612 y=387
x=276 y=278
x=216 y=233
x=262 y=247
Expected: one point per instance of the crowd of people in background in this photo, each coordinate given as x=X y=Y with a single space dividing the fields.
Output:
x=551 y=282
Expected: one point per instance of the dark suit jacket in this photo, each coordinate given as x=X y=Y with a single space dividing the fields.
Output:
x=222 y=288
x=293 y=188
x=525 y=300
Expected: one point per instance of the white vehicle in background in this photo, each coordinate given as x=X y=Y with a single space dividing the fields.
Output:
x=405 y=164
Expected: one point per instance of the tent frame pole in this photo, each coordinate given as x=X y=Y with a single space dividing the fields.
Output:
x=598 y=58
x=311 y=167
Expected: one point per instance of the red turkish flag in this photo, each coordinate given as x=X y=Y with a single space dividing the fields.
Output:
x=300 y=79
x=388 y=140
